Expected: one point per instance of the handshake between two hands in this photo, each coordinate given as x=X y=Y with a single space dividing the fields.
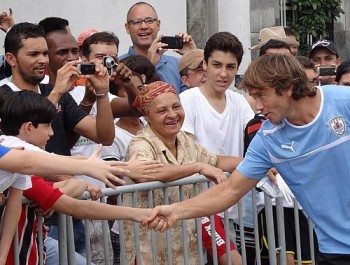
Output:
x=159 y=218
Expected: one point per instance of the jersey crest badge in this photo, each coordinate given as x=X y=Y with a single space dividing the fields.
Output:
x=338 y=125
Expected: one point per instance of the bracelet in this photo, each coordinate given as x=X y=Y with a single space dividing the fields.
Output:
x=101 y=95
x=86 y=105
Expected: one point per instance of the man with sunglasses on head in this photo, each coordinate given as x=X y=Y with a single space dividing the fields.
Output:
x=143 y=26
x=325 y=56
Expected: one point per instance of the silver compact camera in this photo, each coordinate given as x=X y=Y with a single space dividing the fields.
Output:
x=109 y=63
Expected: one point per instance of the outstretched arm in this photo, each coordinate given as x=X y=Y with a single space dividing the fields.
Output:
x=169 y=173
x=72 y=187
x=214 y=200
x=228 y=163
x=44 y=164
x=99 y=211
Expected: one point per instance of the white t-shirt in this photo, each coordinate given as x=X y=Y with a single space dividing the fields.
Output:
x=220 y=133
x=16 y=180
x=121 y=141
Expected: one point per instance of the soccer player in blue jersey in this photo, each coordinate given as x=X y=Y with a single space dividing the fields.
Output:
x=305 y=137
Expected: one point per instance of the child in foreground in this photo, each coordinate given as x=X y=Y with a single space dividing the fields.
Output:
x=26 y=122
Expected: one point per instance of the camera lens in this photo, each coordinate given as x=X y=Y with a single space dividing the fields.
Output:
x=109 y=62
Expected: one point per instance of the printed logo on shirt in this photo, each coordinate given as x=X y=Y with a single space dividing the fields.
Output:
x=83 y=141
x=288 y=146
x=338 y=125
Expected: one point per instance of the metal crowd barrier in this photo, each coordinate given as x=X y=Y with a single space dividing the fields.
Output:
x=66 y=240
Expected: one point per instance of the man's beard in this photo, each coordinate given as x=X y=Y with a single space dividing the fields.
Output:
x=30 y=78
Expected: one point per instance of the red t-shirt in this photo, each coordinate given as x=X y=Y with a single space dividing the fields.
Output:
x=44 y=195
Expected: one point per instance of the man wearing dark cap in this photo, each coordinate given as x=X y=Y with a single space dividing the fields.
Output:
x=324 y=53
x=191 y=68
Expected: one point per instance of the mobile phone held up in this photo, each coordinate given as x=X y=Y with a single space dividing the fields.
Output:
x=174 y=42
x=326 y=70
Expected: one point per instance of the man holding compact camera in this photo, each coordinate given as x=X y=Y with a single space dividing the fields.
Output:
x=27 y=53
x=143 y=26
x=103 y=47
x=325 y=56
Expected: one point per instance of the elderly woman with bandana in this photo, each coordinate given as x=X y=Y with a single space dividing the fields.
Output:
x=163 y=140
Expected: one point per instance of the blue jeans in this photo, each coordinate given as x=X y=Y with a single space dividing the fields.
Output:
x=79 y=236
x=52 y=253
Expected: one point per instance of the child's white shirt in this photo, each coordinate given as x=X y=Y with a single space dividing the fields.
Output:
x=16 y=180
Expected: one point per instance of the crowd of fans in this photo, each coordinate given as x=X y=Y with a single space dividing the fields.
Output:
x=147 y=116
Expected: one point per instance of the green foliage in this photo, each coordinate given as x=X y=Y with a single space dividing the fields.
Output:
x=313 y=16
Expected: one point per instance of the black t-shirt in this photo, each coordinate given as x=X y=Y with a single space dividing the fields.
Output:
x=69 y=114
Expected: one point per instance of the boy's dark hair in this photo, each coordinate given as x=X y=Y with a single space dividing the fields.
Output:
x=50 y=24
x=225 y=42
x=273 y=44
x=142 y=66
x=99 y=37
x=25 y=106
x=21 y=31
x=342 y=69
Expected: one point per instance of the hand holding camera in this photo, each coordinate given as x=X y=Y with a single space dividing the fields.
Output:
x=172 y=42
x=99 y=80
x=90 y=68
x=180 y=43
x=326 y=74
x=86 y=68
x=66 y=76
x=326 y=70
x=122 y=74
x=108 y=61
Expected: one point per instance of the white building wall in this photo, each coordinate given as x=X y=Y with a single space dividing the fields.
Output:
x=234 y=16
x=102 y=15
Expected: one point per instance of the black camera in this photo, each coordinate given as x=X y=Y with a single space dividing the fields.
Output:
x=326 y=70
x=174 y=42
x=86 y=68
x=109 y=63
